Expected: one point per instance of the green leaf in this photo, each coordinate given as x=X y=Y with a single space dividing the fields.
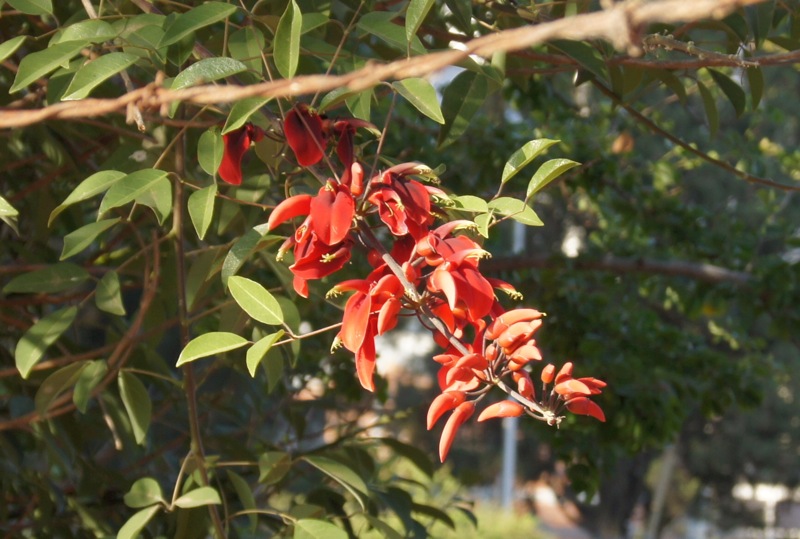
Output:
x=515 y=209
x=142 y=184
x=201 y=209
x=255 y=300
x=462 y=14
x=311 y=528
x=415 y=14
x=257 y=352
x=422 y=95
x=241 y=112
x=483 y=221
x=90 y=376
x=49 y=280
x=95 y=72
x=417 y=456
x=360 y=104
x=435 y=513
x=548 y=172
x=95 y=184
x=210 y=344
x=199 y=497
x=7 y=48
x=210 y=149
x=342 y=474
x=672 y=82
x=36 y=65
x=78 y=240
x=246 y=45
x=461 y=100
x=755 y=80
x=8 y=214
x=40 y=336
x=733 y=91
x=312 y=21
x=241 y=251
x=710 y=106
x=137 y=403
x=522 y=157
x=470 y=203
x=143 y=493
x=91 y=30
x=379 y=24
x=134 y=525
x=245 y=495
x=55 y=384
x=273 y=466
x=287 y=40
x=32 y=7
x=108 y=295
x=585 y=55
x=194 y=19
x=207 y=70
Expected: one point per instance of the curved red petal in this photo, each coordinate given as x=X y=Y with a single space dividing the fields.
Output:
x=236 y=143
x=507 y=408
x=355 y=321
x=584 y=406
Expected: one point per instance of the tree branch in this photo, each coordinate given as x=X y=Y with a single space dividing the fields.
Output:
x=619 y=25
x=699 y=271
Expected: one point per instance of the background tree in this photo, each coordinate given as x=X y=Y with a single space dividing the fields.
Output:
x=682 y=290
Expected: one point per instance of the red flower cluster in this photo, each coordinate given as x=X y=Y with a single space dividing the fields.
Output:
x=432 y=272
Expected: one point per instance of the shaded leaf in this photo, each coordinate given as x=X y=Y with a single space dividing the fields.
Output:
x=710 y=106
x=134 y=525
x=194 y=19
x=92 y=186
x=417 y=456
x=55 y=384
x=585 y=55
x=379 y=24
x=241 y=251
x=549 y=171
x=108 y=294
x=8 y=214
x=435 y=513
x=137 y=403
x=245 y=495
x=287 y=40
x=732 y=91
x=78 y=240
x=210 y=344
x=273 y=466
x=201 y=209
x=257 y=352
x=310 y=528
x=90 y=376
x=49 y=280
x=144 y=493
x=36 y=65
x=461 y=100
x=755 y=80
x=40 y=336
x=342 y=474
x=199 y=497
x=255 y=300
x=519 y=159
x=422 y=95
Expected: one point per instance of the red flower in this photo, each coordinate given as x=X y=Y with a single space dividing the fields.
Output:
x=236 y=143
x=305 y=135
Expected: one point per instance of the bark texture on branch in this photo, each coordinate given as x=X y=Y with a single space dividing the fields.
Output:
x=620 y=25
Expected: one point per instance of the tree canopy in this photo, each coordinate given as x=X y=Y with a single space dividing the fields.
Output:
x=166 y=372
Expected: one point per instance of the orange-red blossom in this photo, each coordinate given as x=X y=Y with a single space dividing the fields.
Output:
x=430 y=272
